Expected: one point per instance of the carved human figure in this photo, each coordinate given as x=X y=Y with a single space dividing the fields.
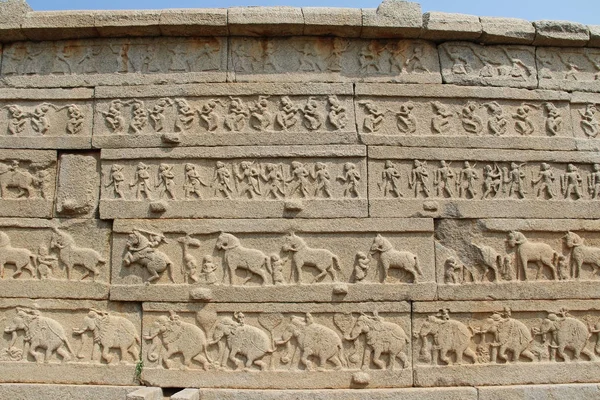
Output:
x=39 y=118
x=192 y=182
x=205 y=56
x=269 y=57
x=545 y=179
x=490 y=68
x=594 y=181
x=178 y=59
x=208 y=114
x=449 y=336
x=272 y=176
x=361 y=267
x=114 y=116
x=581 y=254
x=175 y=336
x=338 y=47
x=298 y=181
x=141 y=181
x=309 y=59
x=562 y=268
x=323 y=260
x=157 y=114
x=260 y=117
x=71 y=255
x=41 y=332
x=466 y=181
x=88 y=59
x=497 y=124
x=460 y=64
x=115 y=179
x=238 y=115
x=122 y=61
x=287 y=116
x=392 y=258
x=374 y=117
x=390 y=180
x=248 y=177
x=523 y=123
x=16 y=120
x=166 y=181
x=313 y=119
x=222 y=180
x=45 y=182
x=46 y=263
x=237 y=256
x=139 y=118
x=419 y=178
x=75 y=120
x=15 y=177
x=492 y=181
x=150 y=60
x=554 y=120
x=566 y=333
x=313 y=340
x=337 y=116
x=350 y=178
x=573 y=69
x=515 y=180
x=368 y=58
x=442 y=179
x=110 y=332
x=518 y=69
x=405 y=120
x=31 y=60
x=471 y=122
x=452 y=271
x=441 y=122
x=510 y=336
x=143 y=251
x=209 y=270
x=414 y=61
x=185 y=116
x=589 y=124
x=571 y=183
x=277 y=264
x=322 y=180
x=525 y=251
x=397 y=55
x=21 y=258
x=189 y=266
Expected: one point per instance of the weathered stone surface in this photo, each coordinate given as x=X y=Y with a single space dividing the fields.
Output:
x=343 y=22
x=261 y=338
x=187 y=394
x=217 y=114
x=477 y=183
x=265 y=21
x=305 y=59
x=440 y=26
x=233 y=182
x=465 y=63
x=506 y=30
x=560 y=33
x=58 y=25
x=342 y=260
x=147 y=393
x=393 y=18
x=115 y=62
x=120 y=23
x=78 y=185
x=465 y=117
x=594 y=35
x=27 y=183
x=73 y=342
x=21 y=391
x=569 y=69
x=12 y=12
x=515 y=342
x=583 y=113
x=54 y=258
x=571 y=391
x=194 y=22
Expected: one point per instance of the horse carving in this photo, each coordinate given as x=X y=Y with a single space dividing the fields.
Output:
x=20 y=258
x=303 y=256
x=392 y=258
x=540 y=253
x=142 y=251
x=237 y=256
x=13 y=178
x=71 y=255
x=581 y=254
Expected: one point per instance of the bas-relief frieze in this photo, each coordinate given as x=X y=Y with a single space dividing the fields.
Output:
x=69 y=341
x=568 y=69
x=283 y=345
x=245 y=260
x=230 y=182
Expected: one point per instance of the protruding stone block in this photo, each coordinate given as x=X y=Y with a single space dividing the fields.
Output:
x=123 y=23
x=265 y=21
x=594 y=35
x=146 y=393
x=393 y=19
x=499 y=30
x=194 y=22
x=560 y=33
x=450 y=26
x=344 y=22
x=12 y=13
x=58 y=25
x=78 y=185
x=187 y=394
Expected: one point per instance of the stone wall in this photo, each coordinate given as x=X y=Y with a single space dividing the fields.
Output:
x=282 y=202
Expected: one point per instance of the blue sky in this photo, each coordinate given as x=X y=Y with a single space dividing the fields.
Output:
x=584 y=11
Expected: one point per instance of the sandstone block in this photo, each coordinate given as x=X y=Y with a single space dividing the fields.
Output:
x=203 y=269
x=187 y=394
x=265 y=21
x=21 y=391
x=12 y=12
x=477 y=183
x=224 y=114
x=506 y=30
x=504 y=342
x=78 y=182
x=58 y=25
x=274 y=356
x=115 y=62
x=69 y=342
x=48 y=119
x=570 y=391
x=146 y=393
x=569 y=69
x=27 y=183
x=344 y=22
x=465 y=63
x=306 y=59
x=55 y=258
x=393 y=18
x=222 y=182
x=467 y=117
x=194 y=22
x=594 y=35
x=120 y=23
x=560 y=33
x=444 y=26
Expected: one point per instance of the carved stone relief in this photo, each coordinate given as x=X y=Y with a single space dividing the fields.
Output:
x=519 y=341
x=477 y=184
x=322 y=345
x=69 y=341
x=232 y=260
x=229 y=182
x=569 y=69
x=297 y=59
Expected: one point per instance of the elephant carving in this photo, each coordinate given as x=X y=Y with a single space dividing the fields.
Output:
x=449 y=336
x=177 y=337
x=110 y=332
x=313 y=340
x=510 y=335
x=565 y=333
